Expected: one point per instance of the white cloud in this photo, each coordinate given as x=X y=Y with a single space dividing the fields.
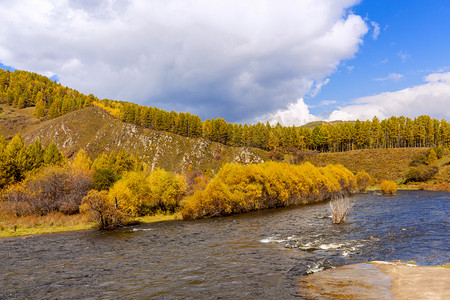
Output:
x=376 y=30
x=391 y=76
x=228 y=58
x=427 y=99
x=327 y=102
x=318 y=87
x=295 y=114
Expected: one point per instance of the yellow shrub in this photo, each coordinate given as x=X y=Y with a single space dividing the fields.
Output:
x=237 y=188
x=362 y=181
x=132 y=193
x=388 y=187
x=166 y=189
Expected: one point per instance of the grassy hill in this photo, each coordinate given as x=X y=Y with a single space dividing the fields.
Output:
x=381 y=164
x=13 y=121
x=95 y=131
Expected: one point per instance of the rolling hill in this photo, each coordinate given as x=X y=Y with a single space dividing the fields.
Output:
x=95 y=131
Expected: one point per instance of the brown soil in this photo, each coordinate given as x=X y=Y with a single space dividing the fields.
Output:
x=378 y=280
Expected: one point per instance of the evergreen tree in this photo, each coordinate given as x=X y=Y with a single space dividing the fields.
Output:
x=52 y=155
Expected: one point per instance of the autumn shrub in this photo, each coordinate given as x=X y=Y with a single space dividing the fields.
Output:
x=431 y=157
x=237 y=188
x=196 y=180
x=166 y=190
x=102 y=209
x=53 y=188
x=420 y=159
x=276 y=155
x=132 y=193
x=420 y=173
x=388 y=187
x=362 y=181
x=440 y=152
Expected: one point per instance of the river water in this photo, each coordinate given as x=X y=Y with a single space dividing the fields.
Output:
x=255 y=255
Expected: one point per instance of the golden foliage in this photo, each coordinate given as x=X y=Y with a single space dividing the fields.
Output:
x=237 y=188
x=388 y=187
x=139 y=195
x=166 y=189
x=362 y=181
x=132 y=193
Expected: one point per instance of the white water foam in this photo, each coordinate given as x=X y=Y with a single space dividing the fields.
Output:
x=271 y=239
x=142 y=229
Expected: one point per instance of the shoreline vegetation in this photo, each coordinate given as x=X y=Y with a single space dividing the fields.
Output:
x=42 y=191
x=58 y=222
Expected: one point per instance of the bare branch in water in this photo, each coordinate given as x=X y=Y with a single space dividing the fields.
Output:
x=339 y=206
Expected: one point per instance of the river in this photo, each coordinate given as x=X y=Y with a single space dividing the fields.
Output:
x=254 y=255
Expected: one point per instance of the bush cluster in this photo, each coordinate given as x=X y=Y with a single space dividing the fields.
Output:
x=138 y=194
x=363 y=181
x=420 y=173
x=54 y=188
x=237 y=188
x=388 y=187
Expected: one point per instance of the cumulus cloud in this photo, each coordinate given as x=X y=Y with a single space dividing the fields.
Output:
x=426 y=99
x=295 y=114
x=229 y=58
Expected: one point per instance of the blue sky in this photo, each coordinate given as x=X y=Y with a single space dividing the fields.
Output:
x=244 y=61
x=413 y=43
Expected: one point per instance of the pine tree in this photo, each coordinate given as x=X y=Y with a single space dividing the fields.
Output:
x=52 y=155
x=35 y=155
x=39 y=109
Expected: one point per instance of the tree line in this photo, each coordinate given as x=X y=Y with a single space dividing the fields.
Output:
x=23 y=89
x=50 y=99
x=395 y=132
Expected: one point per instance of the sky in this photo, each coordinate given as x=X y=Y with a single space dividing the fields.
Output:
x=290 y=61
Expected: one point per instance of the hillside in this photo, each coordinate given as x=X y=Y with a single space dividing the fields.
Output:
x=95 y=131
x=13 y=121
x=381 y=164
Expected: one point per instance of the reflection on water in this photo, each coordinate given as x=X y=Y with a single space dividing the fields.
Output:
x=246 y=256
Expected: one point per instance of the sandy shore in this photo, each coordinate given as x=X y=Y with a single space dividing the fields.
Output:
x=378 y=280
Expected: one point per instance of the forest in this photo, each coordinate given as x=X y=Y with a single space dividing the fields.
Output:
x=50 y=99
